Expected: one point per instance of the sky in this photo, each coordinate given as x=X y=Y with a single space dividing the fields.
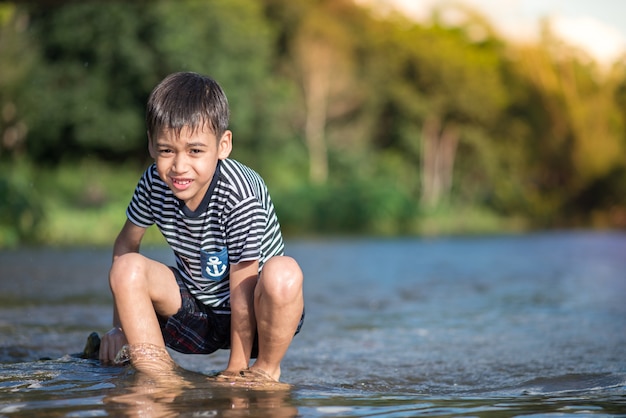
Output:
x=598 y=26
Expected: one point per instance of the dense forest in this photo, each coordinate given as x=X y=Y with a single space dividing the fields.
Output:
x=361 y=122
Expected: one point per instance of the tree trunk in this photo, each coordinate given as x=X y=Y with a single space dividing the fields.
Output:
x=438 y=154
x=316 y=91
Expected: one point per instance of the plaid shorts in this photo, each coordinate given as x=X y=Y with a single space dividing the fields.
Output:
x=197 y=329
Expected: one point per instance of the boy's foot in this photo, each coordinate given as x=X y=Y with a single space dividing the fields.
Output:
x=257 y=375
x=250 y=378
x=228 y=376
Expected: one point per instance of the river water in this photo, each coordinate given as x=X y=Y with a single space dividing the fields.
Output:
x=482 y=326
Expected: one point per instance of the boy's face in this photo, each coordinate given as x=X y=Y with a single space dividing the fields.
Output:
x=187 y=163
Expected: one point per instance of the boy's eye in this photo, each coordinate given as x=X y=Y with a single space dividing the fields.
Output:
x=165 y=151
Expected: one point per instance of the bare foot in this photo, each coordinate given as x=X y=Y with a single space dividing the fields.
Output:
x=250 y=378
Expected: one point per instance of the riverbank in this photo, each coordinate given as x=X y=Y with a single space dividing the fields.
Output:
x=84 y=204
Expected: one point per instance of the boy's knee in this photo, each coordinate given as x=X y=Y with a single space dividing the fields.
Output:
x=126 y=270
x=282 y=277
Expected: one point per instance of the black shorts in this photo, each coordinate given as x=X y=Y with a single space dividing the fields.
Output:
x=197 y=329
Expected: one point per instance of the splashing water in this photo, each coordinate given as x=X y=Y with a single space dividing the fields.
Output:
x=147 y=358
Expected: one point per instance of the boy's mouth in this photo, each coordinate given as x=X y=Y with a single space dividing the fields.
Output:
x=181 y=184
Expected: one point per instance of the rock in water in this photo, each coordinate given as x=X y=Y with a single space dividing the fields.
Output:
x=92 y=347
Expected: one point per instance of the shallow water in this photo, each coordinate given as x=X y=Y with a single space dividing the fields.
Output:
x=490 y=326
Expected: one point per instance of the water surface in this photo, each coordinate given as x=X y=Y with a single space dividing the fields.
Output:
x=483 y=326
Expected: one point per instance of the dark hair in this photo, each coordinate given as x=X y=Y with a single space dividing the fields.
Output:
x=187 y=99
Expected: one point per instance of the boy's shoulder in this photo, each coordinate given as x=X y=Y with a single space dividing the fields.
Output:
x=151 y=178
x=234 y=169
x=234 y=164
x=241 y=179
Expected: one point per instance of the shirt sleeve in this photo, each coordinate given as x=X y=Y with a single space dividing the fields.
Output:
x=139 y=210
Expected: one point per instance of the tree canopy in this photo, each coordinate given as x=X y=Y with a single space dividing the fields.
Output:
x=361 y=121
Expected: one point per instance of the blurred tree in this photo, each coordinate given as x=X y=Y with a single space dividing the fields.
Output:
x=576 y=137
x=323 y=54
x=17 y=54
x=231 y=42
x=360 y=118
x=317 y=46
x=101 y=59
x=96 y=70
x=21 y=211
x=441 y=89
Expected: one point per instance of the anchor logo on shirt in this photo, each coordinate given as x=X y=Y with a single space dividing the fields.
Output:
x=215 y=267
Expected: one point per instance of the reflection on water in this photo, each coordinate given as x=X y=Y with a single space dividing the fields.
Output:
x=76 y=387
x=497 y=326
x=193 y=394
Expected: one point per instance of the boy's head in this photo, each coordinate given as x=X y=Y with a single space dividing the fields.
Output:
x=189 y=100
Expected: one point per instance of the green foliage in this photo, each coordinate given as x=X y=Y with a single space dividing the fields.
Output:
x=346 y=208
x=18 y=58
x=227 y=40
x=405 y=124
x=85 y=202
x=95 y=72
x=21 y=211
x=574 y=131
x=99 y=61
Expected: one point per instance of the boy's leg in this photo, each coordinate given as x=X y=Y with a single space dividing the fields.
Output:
x=143 y=288
x=279 y=302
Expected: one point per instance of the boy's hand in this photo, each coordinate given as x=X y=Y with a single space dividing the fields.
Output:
x=112 y=342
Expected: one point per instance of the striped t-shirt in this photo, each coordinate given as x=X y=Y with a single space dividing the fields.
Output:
x=235 y=222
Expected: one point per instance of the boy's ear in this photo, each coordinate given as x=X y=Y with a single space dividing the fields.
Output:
x=225 y=145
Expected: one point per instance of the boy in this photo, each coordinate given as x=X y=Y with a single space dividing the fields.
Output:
x=232 y=287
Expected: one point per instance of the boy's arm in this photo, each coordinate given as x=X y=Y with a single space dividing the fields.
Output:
x=127 y=241
x=243 y=278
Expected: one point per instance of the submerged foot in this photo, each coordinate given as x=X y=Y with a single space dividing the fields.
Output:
x=147 y=358
x=257 y=375
x=228 y=376
x=250 y=378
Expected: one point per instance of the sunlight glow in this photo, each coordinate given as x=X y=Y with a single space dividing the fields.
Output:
x=521 y=20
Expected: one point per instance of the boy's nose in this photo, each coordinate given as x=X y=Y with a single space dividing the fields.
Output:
x=180 y=163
